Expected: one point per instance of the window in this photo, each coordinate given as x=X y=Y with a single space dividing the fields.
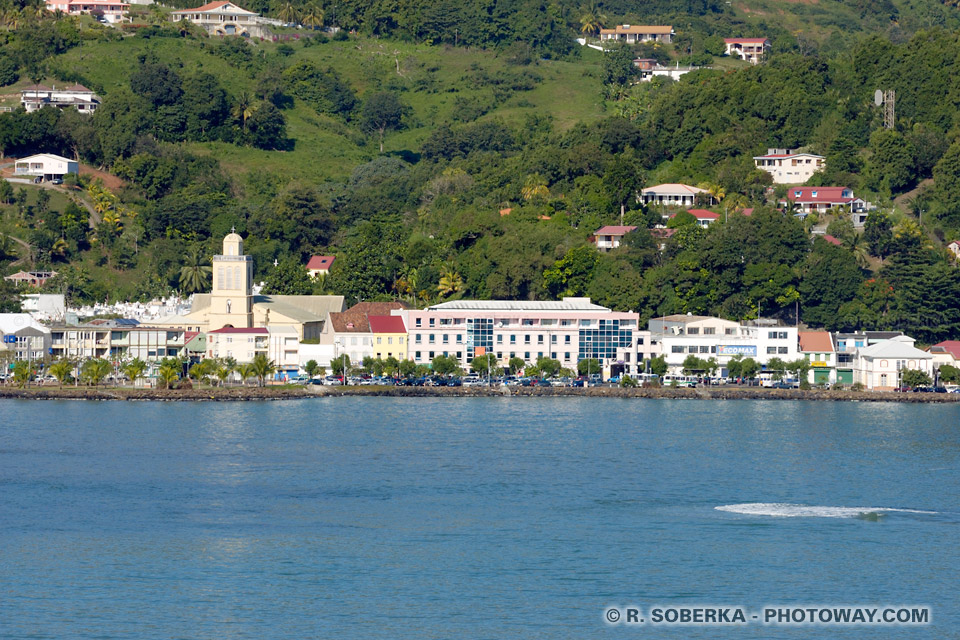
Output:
x=379 y=340
x=500 y=339
x=553 y=339
x=692 y=331
x=566 y=339
x=526 y=339
x=418 y=322
x=353 y=341
x=459 y=338
x=513 y=339
x=782 y=350
x=566 y=355
x=446 y=339
x=431 y=339
x=729 y=331
x=626 y=357
x=676 y=349
x=433 y=321
x=771 y=350
x=431 y=354
x=389 y=340
x=540 y=339
x=693 y=349
x=417 y=338
x=704 y=349
x=709 y=331
x=526 y=355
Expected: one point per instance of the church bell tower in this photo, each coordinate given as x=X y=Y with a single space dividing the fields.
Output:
x=231 y=301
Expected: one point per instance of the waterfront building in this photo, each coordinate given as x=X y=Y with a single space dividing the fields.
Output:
x=879 y=366
x=389 y=337
x=233 y=304
x=817 y=348
x=242 y=344
x=117 y=342
x=349 y=332
x=568 y=330
x=23 y=338
x=846 y=346
x=709 y=337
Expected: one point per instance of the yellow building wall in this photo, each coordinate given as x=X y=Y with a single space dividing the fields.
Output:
x=390 y=344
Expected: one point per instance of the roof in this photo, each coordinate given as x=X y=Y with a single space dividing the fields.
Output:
x=356 y=318
x=748 y=211
x=213 y=6
x=675 y=188
x=683 y=318
x=947 y=346
x=36 y=87
x=13 y=322
x=256 y=330
x=301 y=308
x=829 y=238
x=824 y=194
x=703 y=214
x=639 y=29
x=815 y=341
x=614 y=230
x=897 y=347
x=746 y=40
x=49 y=156
x=662 y=233
x=386 y=324
x=788 y=155
x=567 y=304
x=320 y=262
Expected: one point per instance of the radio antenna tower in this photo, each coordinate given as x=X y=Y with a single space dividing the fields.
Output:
x=889 y=100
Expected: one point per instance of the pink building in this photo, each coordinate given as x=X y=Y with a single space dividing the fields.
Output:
x=567 y=330
x=112 y=11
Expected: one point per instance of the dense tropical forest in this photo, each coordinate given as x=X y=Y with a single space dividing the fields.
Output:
x=444 y=153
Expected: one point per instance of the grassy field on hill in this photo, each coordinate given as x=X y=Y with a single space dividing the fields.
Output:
x=434 y=82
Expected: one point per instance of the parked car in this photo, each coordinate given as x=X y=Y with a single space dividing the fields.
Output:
x=56 y=181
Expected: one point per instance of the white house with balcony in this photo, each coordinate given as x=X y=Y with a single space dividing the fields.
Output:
x=46 y=166
x=112 y=11
x=632 y=34
x=224 y=19
x=77 y=97
x=753 y=50
x=675 y=195
x=789 y=167
x=806 y=200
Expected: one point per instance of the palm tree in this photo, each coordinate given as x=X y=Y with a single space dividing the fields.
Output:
x=22 y=373
x=194 y=274
x=222 y=372
x=61 y=370
x=591 y=19
x=135 y=369
x=313 y=16
x=246 y=372
x=244 y=108
x=287 y=12
x=534 y=187
x=96 y=370
x=168 y=374
x=202 y=370
x=450 y=281
x=858 y=247
x=262 y=367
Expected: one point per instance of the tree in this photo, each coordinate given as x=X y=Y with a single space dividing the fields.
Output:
x=914 y=378
x=800 y=368
x=693 y=364
x=391 y=366
x=262 y=367
x=266 y=127
x=735 y=366
x=589 y=366
x=340 y=365
x=311 y=368
x=450 y=281
x=288 y=278
x=749 y=368
x=548 y=366
x=381 y=111
x=201 y=371
x=61 y=370
x=949 y=374
x=94 y=371
x=167 y=374
x=878 y=233
x=135 y=369
x=777 y=367
x=195 y=273
x=22 y=373
x=483 y=364
x=407 y=368
x=571 y=275
x=312 y=16
x=444 y=365
x=516 y=365
x=618 y=67
x=246 y=371
x=222 y=372
x=658 y=366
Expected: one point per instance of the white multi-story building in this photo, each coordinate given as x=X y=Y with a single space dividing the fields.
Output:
x=632 y=34
x=879 y=366
x=789 y=167
x=78 y=97
x=675 y=195
x=22 y=337
x=568 y=330
x=709 y=337
x=753 y=50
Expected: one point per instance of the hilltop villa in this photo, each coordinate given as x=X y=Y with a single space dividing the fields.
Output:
x=223 y=19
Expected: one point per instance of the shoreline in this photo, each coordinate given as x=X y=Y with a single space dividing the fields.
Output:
x=246 y=394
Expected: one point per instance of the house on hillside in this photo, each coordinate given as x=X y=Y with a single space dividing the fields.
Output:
x=609 y=237
x=632 y=34
x=704 y=218
x=954 y=248
x=78 y=97
x=224 y=19
x=806 y=200
x=753 y=50
x=46 y=166
x=789 y=167
x=319 y=265
x=674 y=195
x=111 y=10
x=31 y=278
x=650 y=69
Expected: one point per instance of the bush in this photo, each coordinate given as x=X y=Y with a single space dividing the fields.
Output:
x=341 y=36
x=857 y=386
x=627 y=382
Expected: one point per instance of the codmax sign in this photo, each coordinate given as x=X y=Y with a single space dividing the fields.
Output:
x=10 y=339
x=736 y=350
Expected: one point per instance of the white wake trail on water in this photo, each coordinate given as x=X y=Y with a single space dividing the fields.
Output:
x=786 y=510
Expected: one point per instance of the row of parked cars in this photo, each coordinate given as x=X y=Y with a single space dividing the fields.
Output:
x=451 y=381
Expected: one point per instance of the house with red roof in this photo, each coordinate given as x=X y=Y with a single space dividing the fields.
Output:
x=78 y=97
x=829 y=238
x=704 y=218
x=753 y=50
x=224 y=18
x=788 y=166
x=609 y=237
x=111 y=10
x=806 y=200
x=946 y=352
x=817 y=348
x=389 y=337
x=319 y=265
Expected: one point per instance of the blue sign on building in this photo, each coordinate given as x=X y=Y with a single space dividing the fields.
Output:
x=737 y=350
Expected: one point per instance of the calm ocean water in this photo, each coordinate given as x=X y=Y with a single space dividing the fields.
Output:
x=469 y=518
